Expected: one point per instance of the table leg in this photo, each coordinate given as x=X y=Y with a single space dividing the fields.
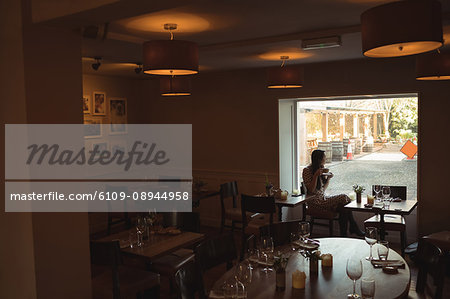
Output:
x=382 y=231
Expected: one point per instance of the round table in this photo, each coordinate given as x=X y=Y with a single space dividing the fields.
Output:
x=331 y=282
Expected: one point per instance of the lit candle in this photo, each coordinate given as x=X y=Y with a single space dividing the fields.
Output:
x=295 y=192
x=284 y=195
x=298 y=279
x=370 y=199
x=327 y=260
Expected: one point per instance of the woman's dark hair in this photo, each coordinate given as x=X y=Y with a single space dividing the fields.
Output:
x=316 y=163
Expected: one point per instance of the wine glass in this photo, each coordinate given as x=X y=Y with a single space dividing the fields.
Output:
x=367 y=288
x=386 y=191
x=371 y=238
x=304 y=230
x=266 y=250
x=243 y=273
x=294 y=238
x=377 y=190
x=140 y=229
x=383 y=250
x=354 y=272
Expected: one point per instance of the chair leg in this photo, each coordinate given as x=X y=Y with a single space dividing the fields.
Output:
x=311 y=223
x=403 y=242
x=232 y=226
x=330 y=228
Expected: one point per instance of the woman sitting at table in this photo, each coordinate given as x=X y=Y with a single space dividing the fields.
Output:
x=316 y=183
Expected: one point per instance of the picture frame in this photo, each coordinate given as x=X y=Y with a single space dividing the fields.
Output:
x=118 y=114
x=117 y=129
x=93 y=128
x=99 y=103
x=87 y=104
x=102 y=146
x=118 y=145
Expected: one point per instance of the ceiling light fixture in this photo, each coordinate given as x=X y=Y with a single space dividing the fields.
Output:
x=284 y=76
x=433 y=66
x=321 y=43
x=402 y=28
x=170 y=57
x=175 y=86
x=97 y=63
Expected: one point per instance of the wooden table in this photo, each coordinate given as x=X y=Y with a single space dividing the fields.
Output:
x=290 y=202
x=404 y=207
x=157 y=245
x=330 y=282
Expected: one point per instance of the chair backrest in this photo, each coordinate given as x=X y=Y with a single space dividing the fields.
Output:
x=228 y=190
x=215 y=251
x=303 y=188
x=108 y=254
x=280 y=232
x=186 y=221
x=430 y=260
x=189 y=282
x=396 y=191
x=257 y=204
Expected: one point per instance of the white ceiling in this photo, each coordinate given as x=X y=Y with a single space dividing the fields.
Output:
x=232 y=34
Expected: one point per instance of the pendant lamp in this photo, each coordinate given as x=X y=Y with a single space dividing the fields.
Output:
x=402 y=28
x=170 y=57
x=285 y=76
x=175 y=86
x=433 y=66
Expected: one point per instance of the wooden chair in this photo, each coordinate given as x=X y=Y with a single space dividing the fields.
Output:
x=318 y=214
x=168 y=265
x=430 y=260
x=259 y=205
x=111 y=279
x=233 y=213
x=392 y=222
x=186 y=221
x=189 y=282
x=280 y=232
x=216 y=251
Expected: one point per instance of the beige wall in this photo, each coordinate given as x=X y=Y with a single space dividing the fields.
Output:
x=235 y=121
x=46 y=255
x=17 y=271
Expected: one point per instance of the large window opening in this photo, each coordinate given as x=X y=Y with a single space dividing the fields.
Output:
x=364 y=140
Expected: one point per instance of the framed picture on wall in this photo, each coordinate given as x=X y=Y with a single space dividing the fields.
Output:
x=99 y=103
x=118 y=110
x=116 y=129
x=86 y=104
x=118 y=115
x=100 y=146
x=92 y=128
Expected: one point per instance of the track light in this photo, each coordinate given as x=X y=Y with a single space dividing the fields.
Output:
x=97 y=64
x=138 y=70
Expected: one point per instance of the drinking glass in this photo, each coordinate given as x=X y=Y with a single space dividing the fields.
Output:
x=266 y=250
x=304 y=230
x=371 y=238
x=140 y=229
x=354 y=272
x=377 y=191
x=383 y=250
x=243 y=273
x=386 y=191
x=294 y=238
x=367 y=288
